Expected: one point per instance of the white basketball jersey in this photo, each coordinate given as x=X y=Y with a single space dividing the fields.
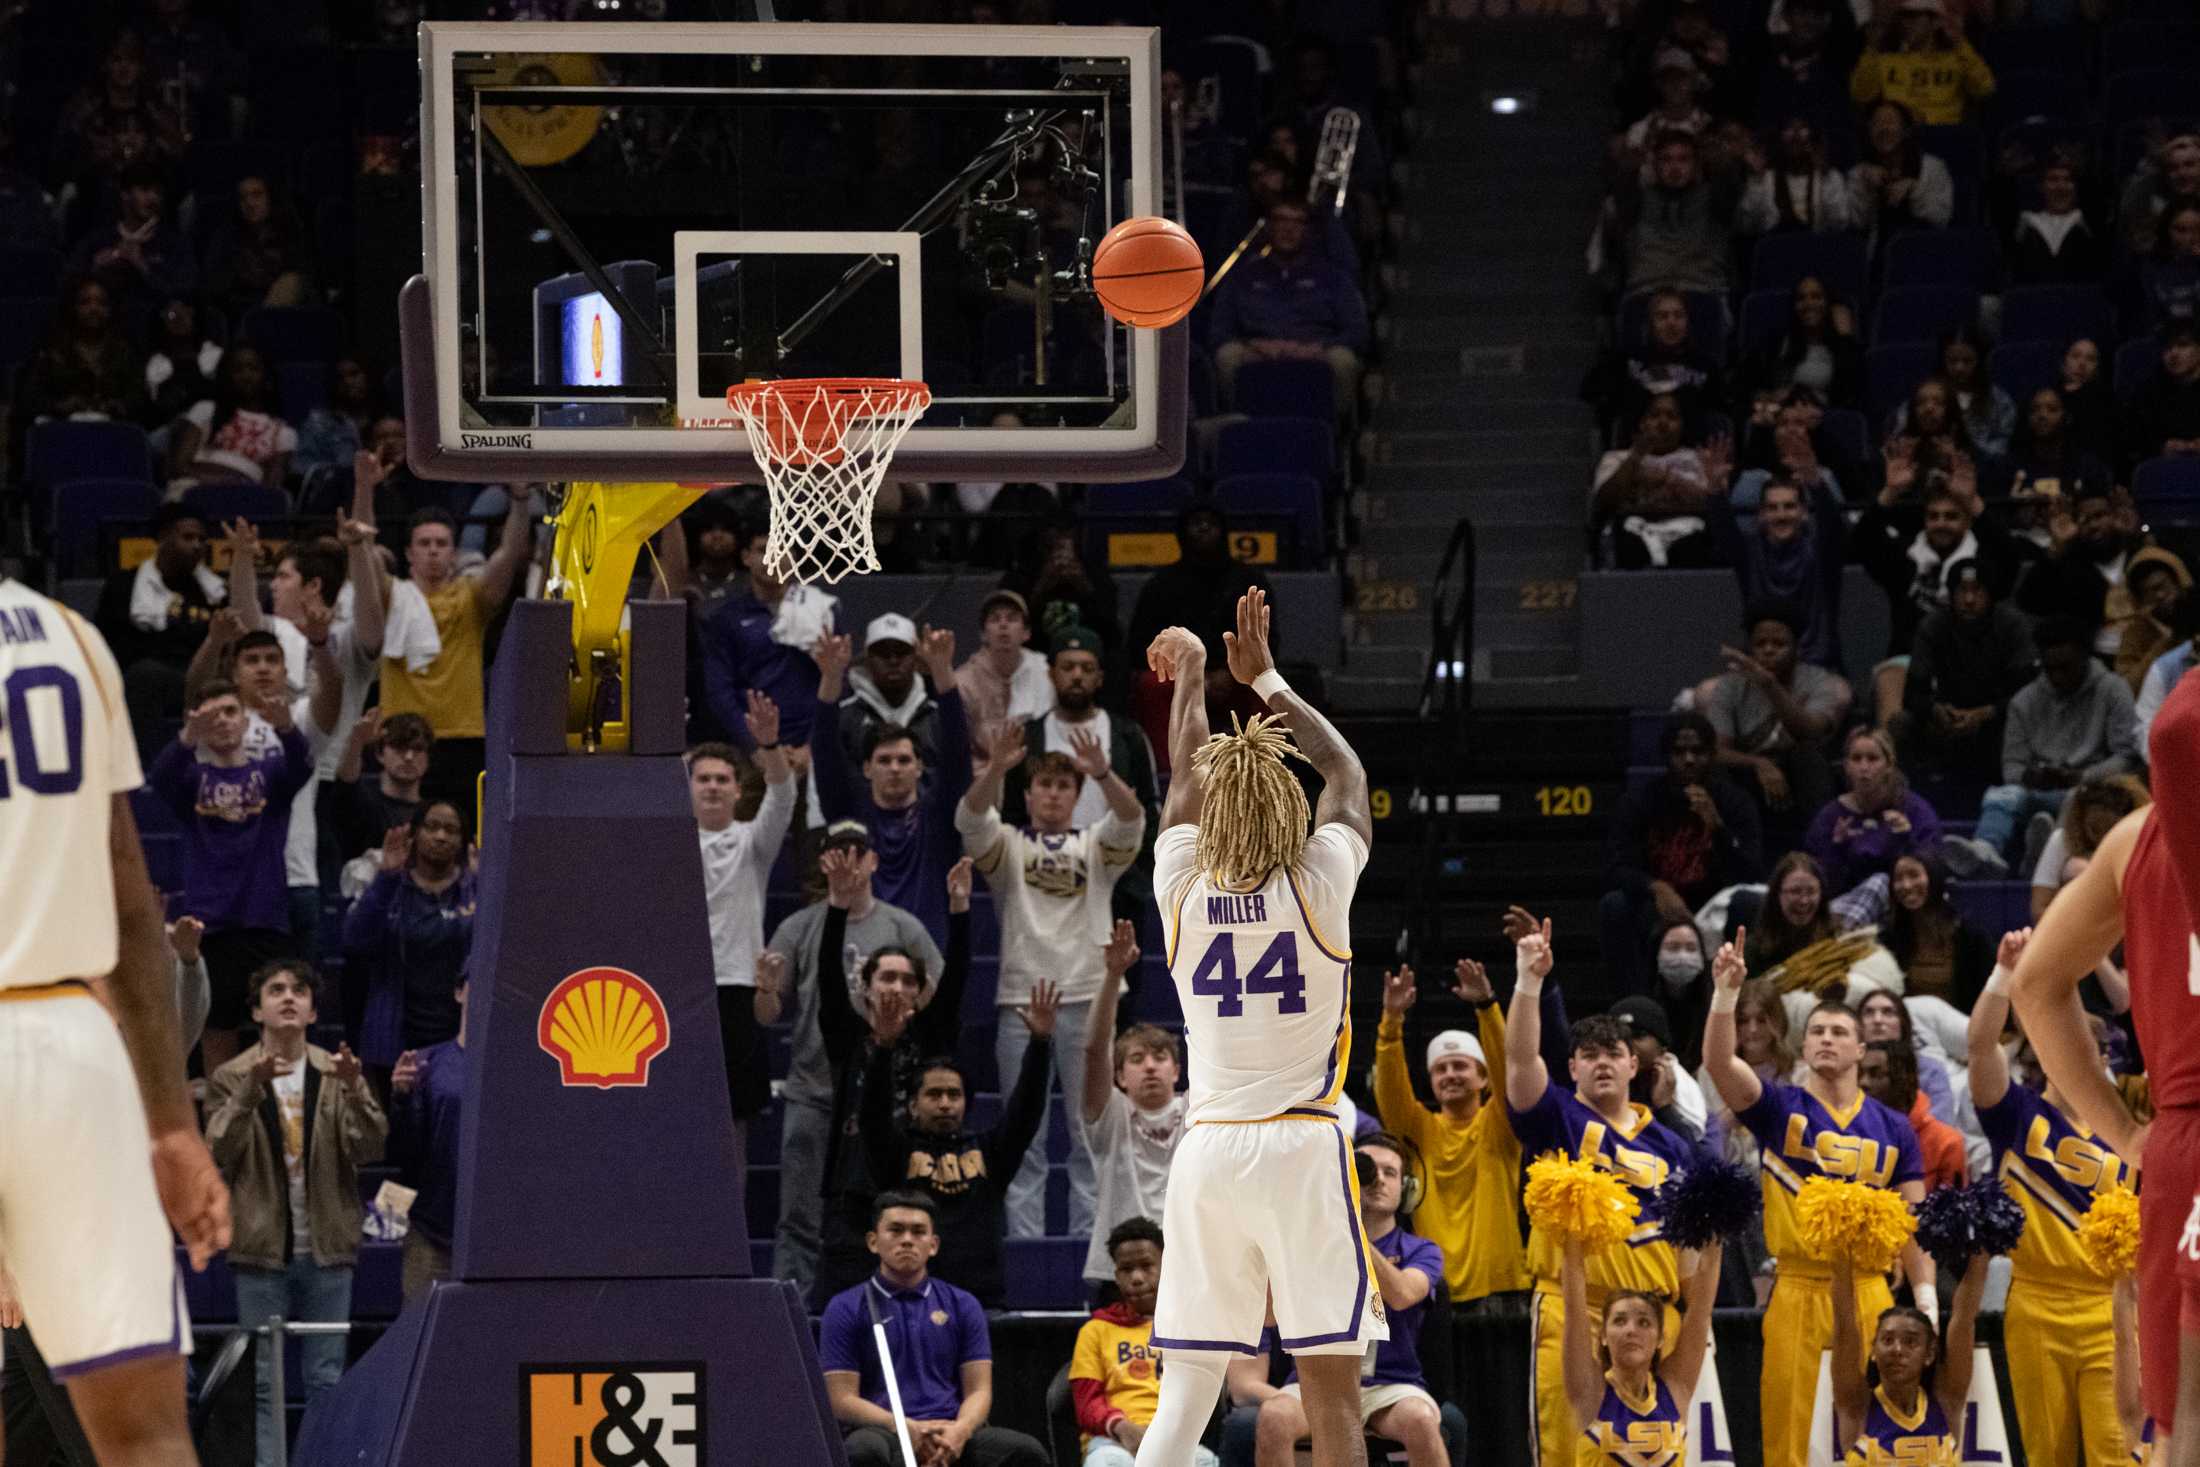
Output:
x=65 y=752
x=1263 y=975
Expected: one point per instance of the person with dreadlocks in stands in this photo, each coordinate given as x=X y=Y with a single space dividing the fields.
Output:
x=1263 y=1220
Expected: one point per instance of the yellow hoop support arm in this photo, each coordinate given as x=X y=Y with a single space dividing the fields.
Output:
x=600 y=533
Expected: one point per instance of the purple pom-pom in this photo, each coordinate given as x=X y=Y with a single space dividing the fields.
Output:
x=1954 y=1223
x=1706 y=1202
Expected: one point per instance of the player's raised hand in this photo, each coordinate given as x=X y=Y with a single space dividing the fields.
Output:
x=192 y=1194
x=936 y=650
x=1248 y=645
x=958 y=886
x=1121 y=953
x=2011 y=951
x=1176 y=653
x=1471 y=982
x=344 y=1065
x=763 y=718
x=1728 y=967
x=406 y=1073
x=1399 y=990
x=1088 y=754
x=1046 y=1003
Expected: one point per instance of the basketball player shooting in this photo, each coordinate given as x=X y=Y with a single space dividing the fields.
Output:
x=2142 y=889
x=97 y=1138
x=1263 y=1206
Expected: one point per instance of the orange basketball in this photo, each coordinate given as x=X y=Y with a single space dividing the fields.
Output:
x=1148 y=272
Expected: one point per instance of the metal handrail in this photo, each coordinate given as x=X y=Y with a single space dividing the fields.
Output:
x=232 y=1353
x=1447 y=700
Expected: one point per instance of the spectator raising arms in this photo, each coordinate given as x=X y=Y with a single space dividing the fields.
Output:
x=1676 y=227
x=406 y=939
x=1469 y=1155
x=885 y=691
x=1132 y=1116
x=1913 y=538
x=1655 y=496
x=1115 y=1371
x=1792 y=552
x=1916 y=57
x=1794 y=190
x=1052 y=887
x=908 y=806
x=1617 y=1379
x=235 y=812
x=1858 y=834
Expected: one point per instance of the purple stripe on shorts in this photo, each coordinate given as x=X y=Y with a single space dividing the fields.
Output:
x=1232 y=1345
x=1351 y=1331
x=173 y=1345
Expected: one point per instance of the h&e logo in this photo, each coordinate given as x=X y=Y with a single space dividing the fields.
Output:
x=613 y=1415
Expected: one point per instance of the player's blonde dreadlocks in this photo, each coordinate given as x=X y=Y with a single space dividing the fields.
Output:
x=1253 y=814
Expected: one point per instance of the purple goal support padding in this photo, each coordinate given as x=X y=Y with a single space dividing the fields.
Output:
x=601 y=1257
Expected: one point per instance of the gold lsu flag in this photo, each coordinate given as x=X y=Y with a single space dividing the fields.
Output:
x=614 y=1415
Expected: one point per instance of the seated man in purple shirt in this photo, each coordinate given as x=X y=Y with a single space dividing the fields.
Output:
x=908 y=807
x=235 y=810
x=1290 y=303
x=1395 y=1403
x=942 y=1354
x=425 y=1093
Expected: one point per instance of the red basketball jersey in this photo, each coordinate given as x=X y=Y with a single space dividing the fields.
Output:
x=2161 y=892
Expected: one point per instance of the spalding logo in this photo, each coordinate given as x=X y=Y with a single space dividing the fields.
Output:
x=603 y=1026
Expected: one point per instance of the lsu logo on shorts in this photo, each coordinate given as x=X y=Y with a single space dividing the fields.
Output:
x=613 y=1415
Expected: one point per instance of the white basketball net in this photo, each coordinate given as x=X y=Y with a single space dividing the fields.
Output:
x=824 y=447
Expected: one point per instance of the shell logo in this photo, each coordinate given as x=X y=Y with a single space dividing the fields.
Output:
x=603 y=1026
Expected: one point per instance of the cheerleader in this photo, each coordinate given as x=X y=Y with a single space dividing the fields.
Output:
x=1898 y=1408
x=1631 y=1407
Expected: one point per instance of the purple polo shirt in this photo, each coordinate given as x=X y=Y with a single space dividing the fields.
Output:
x=932 y=1330
x=1397 y=1359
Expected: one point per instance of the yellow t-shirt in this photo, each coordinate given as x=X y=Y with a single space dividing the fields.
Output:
x=1472 y=1208
x=1935 y=85
x=448 y=694
x=1121 y=1356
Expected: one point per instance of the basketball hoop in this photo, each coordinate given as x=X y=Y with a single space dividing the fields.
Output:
x=824 y=444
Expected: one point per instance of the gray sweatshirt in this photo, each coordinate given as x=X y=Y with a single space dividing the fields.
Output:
x=2094 y=729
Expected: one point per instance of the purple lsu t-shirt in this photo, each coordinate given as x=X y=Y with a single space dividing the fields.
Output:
x=236 y=822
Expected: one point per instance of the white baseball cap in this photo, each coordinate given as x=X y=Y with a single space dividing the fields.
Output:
x=1455 y=1042
x=892 y=627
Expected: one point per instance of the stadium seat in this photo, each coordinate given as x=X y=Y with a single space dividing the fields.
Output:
x=295 y=333
x=1965 y=256
x=2014 y=49
x=23 y=322
x=2020 y=96
x=1286 y=390
x=2136 y=363
x=1277 y=445
x=215 y=167
x=1780 y=260
x=2139 y=45
x=2151 y=92
x=1157 y=497
x=1234 y=64
x=1891 y=373
x=1847 y=427
x=1043 y=1273
x=2056 y=313
x=30 y=269
x=1922 y=313
x=1293 y=497
x=2168 y=490
x=58 y=451
x=2022 y=368
x=1764 y=316
x=82 y=506
x=303 y=387
x=236 y=499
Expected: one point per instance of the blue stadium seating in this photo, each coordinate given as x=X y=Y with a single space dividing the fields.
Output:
x=30 y=270
x=236 y=499
x=1965 y=256
x=2155 y=91
x=2168 y=490
x=1296 y=497
x=2056 y=313
x=23 y=322
x=295 y=333
x=1277 y=445
x=2022 y=95
x=1891 y=373
x=2139 y=45
x=1286 y=390
x=303 y=387
x=1764 y=317
x=1779 y=261
x=82 y=506
x=2136 y=362
x=1044 y=1273
x=1148 y=496
x=1847 y=427
x=2022 y=368
x=1922 y=313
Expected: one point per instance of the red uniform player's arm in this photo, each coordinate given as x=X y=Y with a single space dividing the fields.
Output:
x=2174 y=755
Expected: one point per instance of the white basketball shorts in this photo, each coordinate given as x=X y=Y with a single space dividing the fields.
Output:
x=81 y=1226
x=1261 y=1208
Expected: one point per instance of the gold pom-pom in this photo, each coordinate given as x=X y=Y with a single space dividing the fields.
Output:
x=1866 y=1225
x=2109 y=1232
x=1571 y=1198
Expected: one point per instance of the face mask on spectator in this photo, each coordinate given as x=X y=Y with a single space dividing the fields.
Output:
x=1680 y=968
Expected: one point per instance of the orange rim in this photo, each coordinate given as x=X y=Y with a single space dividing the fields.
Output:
x=814 y=436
